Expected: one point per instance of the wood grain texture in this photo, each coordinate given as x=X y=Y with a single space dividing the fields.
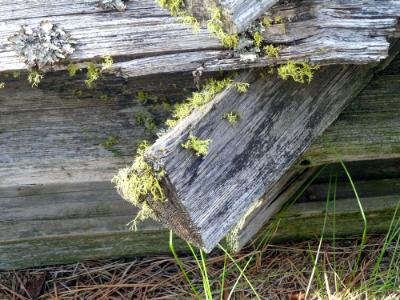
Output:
x=335 y=146
x=280 y=120
x=146 y=35
x=55 y=191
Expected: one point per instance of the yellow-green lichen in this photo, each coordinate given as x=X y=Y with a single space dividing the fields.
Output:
x=35 y=77
x=175 y=8
x=242 y=87
x=107 y=62
x=210 y=89
x=216 y=27
x=300 y=72
x=109 y=142
x=139 y=184
x=93 y=74
x=2 y=85
x=197 y=145
x=232 y=117
x=271 y=51
x=258 y=39
x=72 y=69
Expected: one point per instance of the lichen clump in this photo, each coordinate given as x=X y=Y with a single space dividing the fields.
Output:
x=35 y=77
x=232 y=117
x=300 y=72
x=139 y=184
x=175 y=8
x=197 y=145
x=216 y=27
x=210 y=89
x=44 y=45
x=118 y=5
x=242 y=87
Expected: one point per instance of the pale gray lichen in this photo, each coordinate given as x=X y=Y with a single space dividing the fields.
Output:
x=113 y=4
x=44 y=45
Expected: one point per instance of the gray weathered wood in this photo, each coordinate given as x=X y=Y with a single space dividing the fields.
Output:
x=280 y=120
x=334 y=147
x=55 y=192
x=147 y=35
x=237 y=14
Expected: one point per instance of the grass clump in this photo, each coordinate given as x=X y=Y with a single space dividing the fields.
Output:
x=197 y=145
x=210 y=89
x=139 y=184
x=300 y=72
x=35 y=77
x=215 y=27
x=232 y=117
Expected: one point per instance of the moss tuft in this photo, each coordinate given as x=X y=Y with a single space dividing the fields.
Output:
x=175 y=8
x=272 y=51
x=198 y=99
x=35 y=77
x=110 y=142
x=232 y=117
x=215 y=27
x=198 y=146
x=139 y=184
x=72 y=69
x=2 y=85
x=107 y=62
x=300 y=72
x=93 y=74
x=258 y=39
x=242 y=87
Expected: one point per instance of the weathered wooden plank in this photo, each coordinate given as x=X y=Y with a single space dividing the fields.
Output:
x=143 y=29
x=351 y=150
x=313 y=30
x=237 y=14
x=280 y=119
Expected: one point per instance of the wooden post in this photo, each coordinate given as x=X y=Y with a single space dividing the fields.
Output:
x=279 y=121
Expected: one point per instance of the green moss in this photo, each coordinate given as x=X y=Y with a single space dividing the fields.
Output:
x=215 y=27
x=107 y=62
x=145 y=119
x=16 y=74
x=93 y=74
x=271 y=51
x=242 y=87
x=139 y=184
x=175 y=8
x=110 y=142
x=72 y=69
x=258 y=39
x=2 y=85
x=35 y=77
x=232 y=117
x=300 y=72
x=142 y=96
x=198 y=146
x=198 y=99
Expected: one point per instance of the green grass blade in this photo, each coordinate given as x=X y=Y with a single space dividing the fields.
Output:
x=223 y=279
x=315 y=265
x=180 y=265
x=242 y=274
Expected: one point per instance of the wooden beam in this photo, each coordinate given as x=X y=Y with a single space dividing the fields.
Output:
x=280 y=119
x=237 y=14
x=334 y=147
x=55 y=194
x=145 y=36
